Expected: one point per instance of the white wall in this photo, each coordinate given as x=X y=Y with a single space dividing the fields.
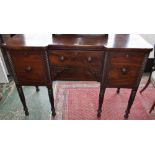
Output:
x=3 y=75
x=149 y=38
x=3 y=70
x=1 y=56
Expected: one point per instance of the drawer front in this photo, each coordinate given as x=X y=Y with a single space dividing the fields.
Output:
x=124 y=69
x=76 y=65
x=29 y=68
x=75 y=58
x=74 y=74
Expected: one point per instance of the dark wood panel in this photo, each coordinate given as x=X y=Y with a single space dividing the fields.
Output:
x=76 y=58
x=29 y=69
x=124 y=68
x=76 y=65
x=75 y=73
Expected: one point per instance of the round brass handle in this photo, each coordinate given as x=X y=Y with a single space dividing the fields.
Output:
x=124 y=70
x=127 y=55
x=61 y=58
x=89 y=59
x=28 y=69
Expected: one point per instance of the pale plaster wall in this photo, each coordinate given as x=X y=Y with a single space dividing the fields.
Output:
x=3 y=75
x=1 y=56
x=150 y=38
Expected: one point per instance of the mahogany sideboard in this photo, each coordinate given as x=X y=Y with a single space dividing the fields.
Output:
x=116 y=61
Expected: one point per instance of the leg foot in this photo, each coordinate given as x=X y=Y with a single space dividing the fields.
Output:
x=130 y=102
x=37 y=89
x=26 y=112
x=22 y=98
x=101 y=97
x=152 y=108
x=118 y=90
x=51 y=98
x=53 y=113
x=99 y=113
x=126 y=115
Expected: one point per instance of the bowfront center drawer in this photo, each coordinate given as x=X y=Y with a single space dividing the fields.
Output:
x=76 y=64
x=75 y=58
x=29 y=67
x=124 y=68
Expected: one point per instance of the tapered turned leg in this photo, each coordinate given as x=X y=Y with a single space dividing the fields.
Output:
x=118 y=90
x=101 y=98
x=147 y=84
x=130 y=102
x=37 y=89
x=22 y=98
x=51 y=98
x=152 y=108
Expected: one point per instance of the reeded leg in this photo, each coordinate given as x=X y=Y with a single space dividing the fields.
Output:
x=22 y=98
x=101 y=98
x=147 y=84
x=152 y=108
x=51 y=98
x=130 y=102
x=37 y=89
x=118 y=90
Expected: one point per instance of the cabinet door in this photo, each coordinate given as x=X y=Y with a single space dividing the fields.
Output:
x=29 y=67
x=124 y=68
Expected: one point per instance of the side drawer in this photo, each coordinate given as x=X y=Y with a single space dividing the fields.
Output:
x=124 y=68
x=29 y=67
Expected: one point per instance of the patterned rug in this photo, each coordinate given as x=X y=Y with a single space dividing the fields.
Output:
x=79 y=101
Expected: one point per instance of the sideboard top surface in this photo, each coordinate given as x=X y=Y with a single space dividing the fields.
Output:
x=100 y=41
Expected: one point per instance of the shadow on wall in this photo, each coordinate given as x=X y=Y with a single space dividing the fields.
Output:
x=150 y=38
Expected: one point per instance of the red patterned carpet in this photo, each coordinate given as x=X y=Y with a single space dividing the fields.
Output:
x=79 y=101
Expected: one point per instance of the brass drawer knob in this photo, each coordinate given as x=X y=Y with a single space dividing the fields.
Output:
x=124 y=70
x=127 y=55
x=61 y=58
x=89 y=59
x=28 y=69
